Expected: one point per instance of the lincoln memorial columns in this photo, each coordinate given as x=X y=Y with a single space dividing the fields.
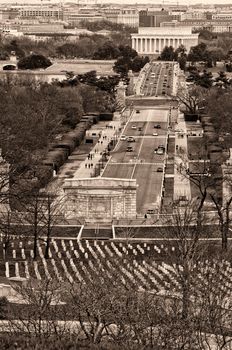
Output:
x=152 y=40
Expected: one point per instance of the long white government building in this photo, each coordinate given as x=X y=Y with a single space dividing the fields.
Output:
x=152 y=40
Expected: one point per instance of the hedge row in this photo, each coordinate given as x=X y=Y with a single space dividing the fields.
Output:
x=60 y=151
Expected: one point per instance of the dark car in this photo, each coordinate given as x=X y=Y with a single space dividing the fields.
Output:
x=129 y=149
x=157 y=126
x=150 y=211
x=137 y=111
x=130 y=139
x=159 y=170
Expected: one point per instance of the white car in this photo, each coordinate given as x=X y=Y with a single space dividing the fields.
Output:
x=155 y=134
x=133 y=127
x=123 y=138
x=160 y=151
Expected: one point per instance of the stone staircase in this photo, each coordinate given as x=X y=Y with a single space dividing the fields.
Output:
x=97 y=231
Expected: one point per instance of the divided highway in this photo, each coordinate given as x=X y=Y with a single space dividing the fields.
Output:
x=142 y=163
x=141 y=151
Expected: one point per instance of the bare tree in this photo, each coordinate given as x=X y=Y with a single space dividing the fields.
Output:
x=4 y=180
x=52 y=214
x=192 y=99
x=32 y=215
x=8 y=229
x=223 y=211
x=212 y=300
x=40 y=316
x=185 y=229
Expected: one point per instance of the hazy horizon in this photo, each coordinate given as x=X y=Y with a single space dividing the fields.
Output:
x=138 y=2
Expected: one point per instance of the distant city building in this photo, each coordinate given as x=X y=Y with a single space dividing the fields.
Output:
x=193 y=15
x=216 y=18
x=42 y=28
x=7 y=32
x=214 y=26
x=128 y=17
x=152 y=40
x=76 y=16
x=111 y=14
x=153 y=18
x=222 y=15
x=51 y=13
x=169 y=24
x=8 y=14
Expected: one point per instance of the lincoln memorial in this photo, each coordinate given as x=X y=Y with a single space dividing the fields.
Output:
x=152 y=40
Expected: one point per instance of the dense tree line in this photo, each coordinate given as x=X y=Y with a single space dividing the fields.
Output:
x=57 y=47
x=170 y=54
x=94 y=47
x=218 y=107
x=32 y=115
x=198 y=53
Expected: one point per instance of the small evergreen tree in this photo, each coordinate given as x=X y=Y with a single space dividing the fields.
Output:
x=33 y=62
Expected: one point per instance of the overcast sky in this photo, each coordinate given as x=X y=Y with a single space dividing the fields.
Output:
x=120 y=1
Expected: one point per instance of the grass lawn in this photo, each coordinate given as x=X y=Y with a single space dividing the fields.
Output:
x=148 y=232
x=57 y=231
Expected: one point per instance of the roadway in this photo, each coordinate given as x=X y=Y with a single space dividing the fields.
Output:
x=142 y=163
x=148 y=128
x=160 y=80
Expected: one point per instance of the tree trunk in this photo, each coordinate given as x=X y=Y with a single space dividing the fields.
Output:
x=225 y=229
x=224 y=237
x=6 y=246
x=199 y=213
x=7 y=237
x=35 y=233
x=46 y=253
x=185 y=291
x=98 y=333
x=49 y=227
x=35 y=245
x=185 y=301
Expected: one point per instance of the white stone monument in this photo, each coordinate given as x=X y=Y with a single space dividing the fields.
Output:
x=100 y=199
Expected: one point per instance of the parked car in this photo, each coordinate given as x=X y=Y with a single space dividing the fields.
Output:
x=155 y=134
x=159 y=170
x=133 y=127
x=137 y=111
x=157 y=126
x=123 y=138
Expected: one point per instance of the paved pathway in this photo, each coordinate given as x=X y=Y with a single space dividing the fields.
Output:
x=83 y=169
x=181 y=181
x=87 y=167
